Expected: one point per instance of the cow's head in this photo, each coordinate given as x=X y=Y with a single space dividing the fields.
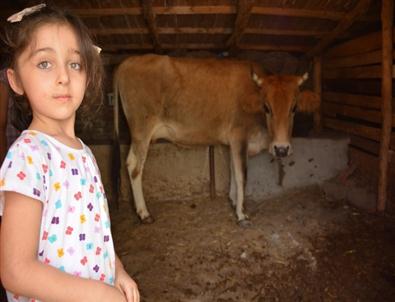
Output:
x=280 y=98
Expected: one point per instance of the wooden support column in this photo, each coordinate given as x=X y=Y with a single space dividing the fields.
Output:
x=318 y=89
x=213 y=193
x=387 y=16
x=150 y=18
x=244 y=8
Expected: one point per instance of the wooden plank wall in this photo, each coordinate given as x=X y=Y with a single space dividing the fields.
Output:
x=351 y=97
x=352 y=91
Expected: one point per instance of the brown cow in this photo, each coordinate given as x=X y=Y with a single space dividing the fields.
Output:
x=191 y=101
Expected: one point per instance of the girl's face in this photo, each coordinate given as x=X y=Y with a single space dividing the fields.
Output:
x=49 y=71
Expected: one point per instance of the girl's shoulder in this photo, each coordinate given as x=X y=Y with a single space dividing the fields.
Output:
x=47 y=141
x=35 y=143
x=27 y=142
x=26 y=150
x=29 y=138
x=38 y=144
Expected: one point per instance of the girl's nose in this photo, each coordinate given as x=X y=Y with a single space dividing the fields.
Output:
x=63 y=76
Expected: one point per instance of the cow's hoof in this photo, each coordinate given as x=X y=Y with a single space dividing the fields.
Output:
x=147 y=220
x=245 y=223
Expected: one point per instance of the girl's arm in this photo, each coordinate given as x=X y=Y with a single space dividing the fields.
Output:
x=23 y=274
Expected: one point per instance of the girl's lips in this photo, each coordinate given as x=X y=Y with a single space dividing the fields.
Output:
x=62 y=97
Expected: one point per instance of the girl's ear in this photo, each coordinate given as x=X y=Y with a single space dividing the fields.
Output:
x=14 y=81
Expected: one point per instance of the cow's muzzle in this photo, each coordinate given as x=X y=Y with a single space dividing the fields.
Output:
x=281 y=151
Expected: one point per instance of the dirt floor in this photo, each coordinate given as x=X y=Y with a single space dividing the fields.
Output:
x=300 y=247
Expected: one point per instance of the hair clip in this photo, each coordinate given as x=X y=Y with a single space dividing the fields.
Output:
x=17 y=17
x=97 y=48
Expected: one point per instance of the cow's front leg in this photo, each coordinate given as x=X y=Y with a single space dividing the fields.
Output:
x=239 y=162
x=135 y=163
x=232 y=186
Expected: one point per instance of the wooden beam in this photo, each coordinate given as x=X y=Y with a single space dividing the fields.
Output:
x=387 y=15
x=284 y=32
x=150 y=19
x=243 y=15
x=352 y=128
x=113 y=11
x=205 y=30
x=273 y=47
x=296 y=12
x=366 y=43
x=118 y=31
x=357 y=100
x=345 y=23
x=127 y=46
x=368 y=58
x=260 y=47
x=365 y=144
x=209 y=10
x=258 y=10
x=203 y=10
x=374 y=116
x=196 y=10
x=363 y=72
x=356 y=129
x=145 y=46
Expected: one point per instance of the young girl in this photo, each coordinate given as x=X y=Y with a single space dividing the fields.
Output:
x=56 y=243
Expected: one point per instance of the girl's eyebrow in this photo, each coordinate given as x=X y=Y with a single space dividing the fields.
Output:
x=44 y=49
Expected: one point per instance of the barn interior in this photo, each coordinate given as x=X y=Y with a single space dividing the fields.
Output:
x=346 y=148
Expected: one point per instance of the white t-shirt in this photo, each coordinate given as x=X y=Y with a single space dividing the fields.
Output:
x=75 y=234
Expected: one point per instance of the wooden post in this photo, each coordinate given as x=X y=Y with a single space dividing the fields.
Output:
x=212 y=172
x=318 y=89
x=150 y=18
x=386 y=95
x=244 y=8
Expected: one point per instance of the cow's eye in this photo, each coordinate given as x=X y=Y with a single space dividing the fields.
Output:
x=267 y=109
x=293 y=110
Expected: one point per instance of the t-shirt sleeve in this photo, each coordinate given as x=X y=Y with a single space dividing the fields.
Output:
x=23 y=170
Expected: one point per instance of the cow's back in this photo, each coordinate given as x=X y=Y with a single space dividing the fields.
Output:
x=189 y=100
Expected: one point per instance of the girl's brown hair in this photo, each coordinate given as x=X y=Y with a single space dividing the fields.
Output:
x=18 y=36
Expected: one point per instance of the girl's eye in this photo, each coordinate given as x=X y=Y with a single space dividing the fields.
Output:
x=75 y=66
x=44 y=65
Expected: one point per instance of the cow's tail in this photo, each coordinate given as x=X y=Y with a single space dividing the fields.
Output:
x=116 y=147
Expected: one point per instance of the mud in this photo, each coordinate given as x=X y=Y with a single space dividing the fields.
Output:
x=300 y=247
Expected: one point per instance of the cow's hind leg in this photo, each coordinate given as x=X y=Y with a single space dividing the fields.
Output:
x=239 y=161
x=135 y=164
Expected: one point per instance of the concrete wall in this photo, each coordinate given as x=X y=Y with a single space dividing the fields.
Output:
x=173 y=173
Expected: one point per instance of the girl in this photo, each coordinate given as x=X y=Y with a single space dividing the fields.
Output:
x=56 y=243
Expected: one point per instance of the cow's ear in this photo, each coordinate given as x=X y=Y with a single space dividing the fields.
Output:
x=308 y=101
x=257 y=80
x=253 y=101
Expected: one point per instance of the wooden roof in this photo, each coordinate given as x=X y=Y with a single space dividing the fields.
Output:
x=299 y=26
